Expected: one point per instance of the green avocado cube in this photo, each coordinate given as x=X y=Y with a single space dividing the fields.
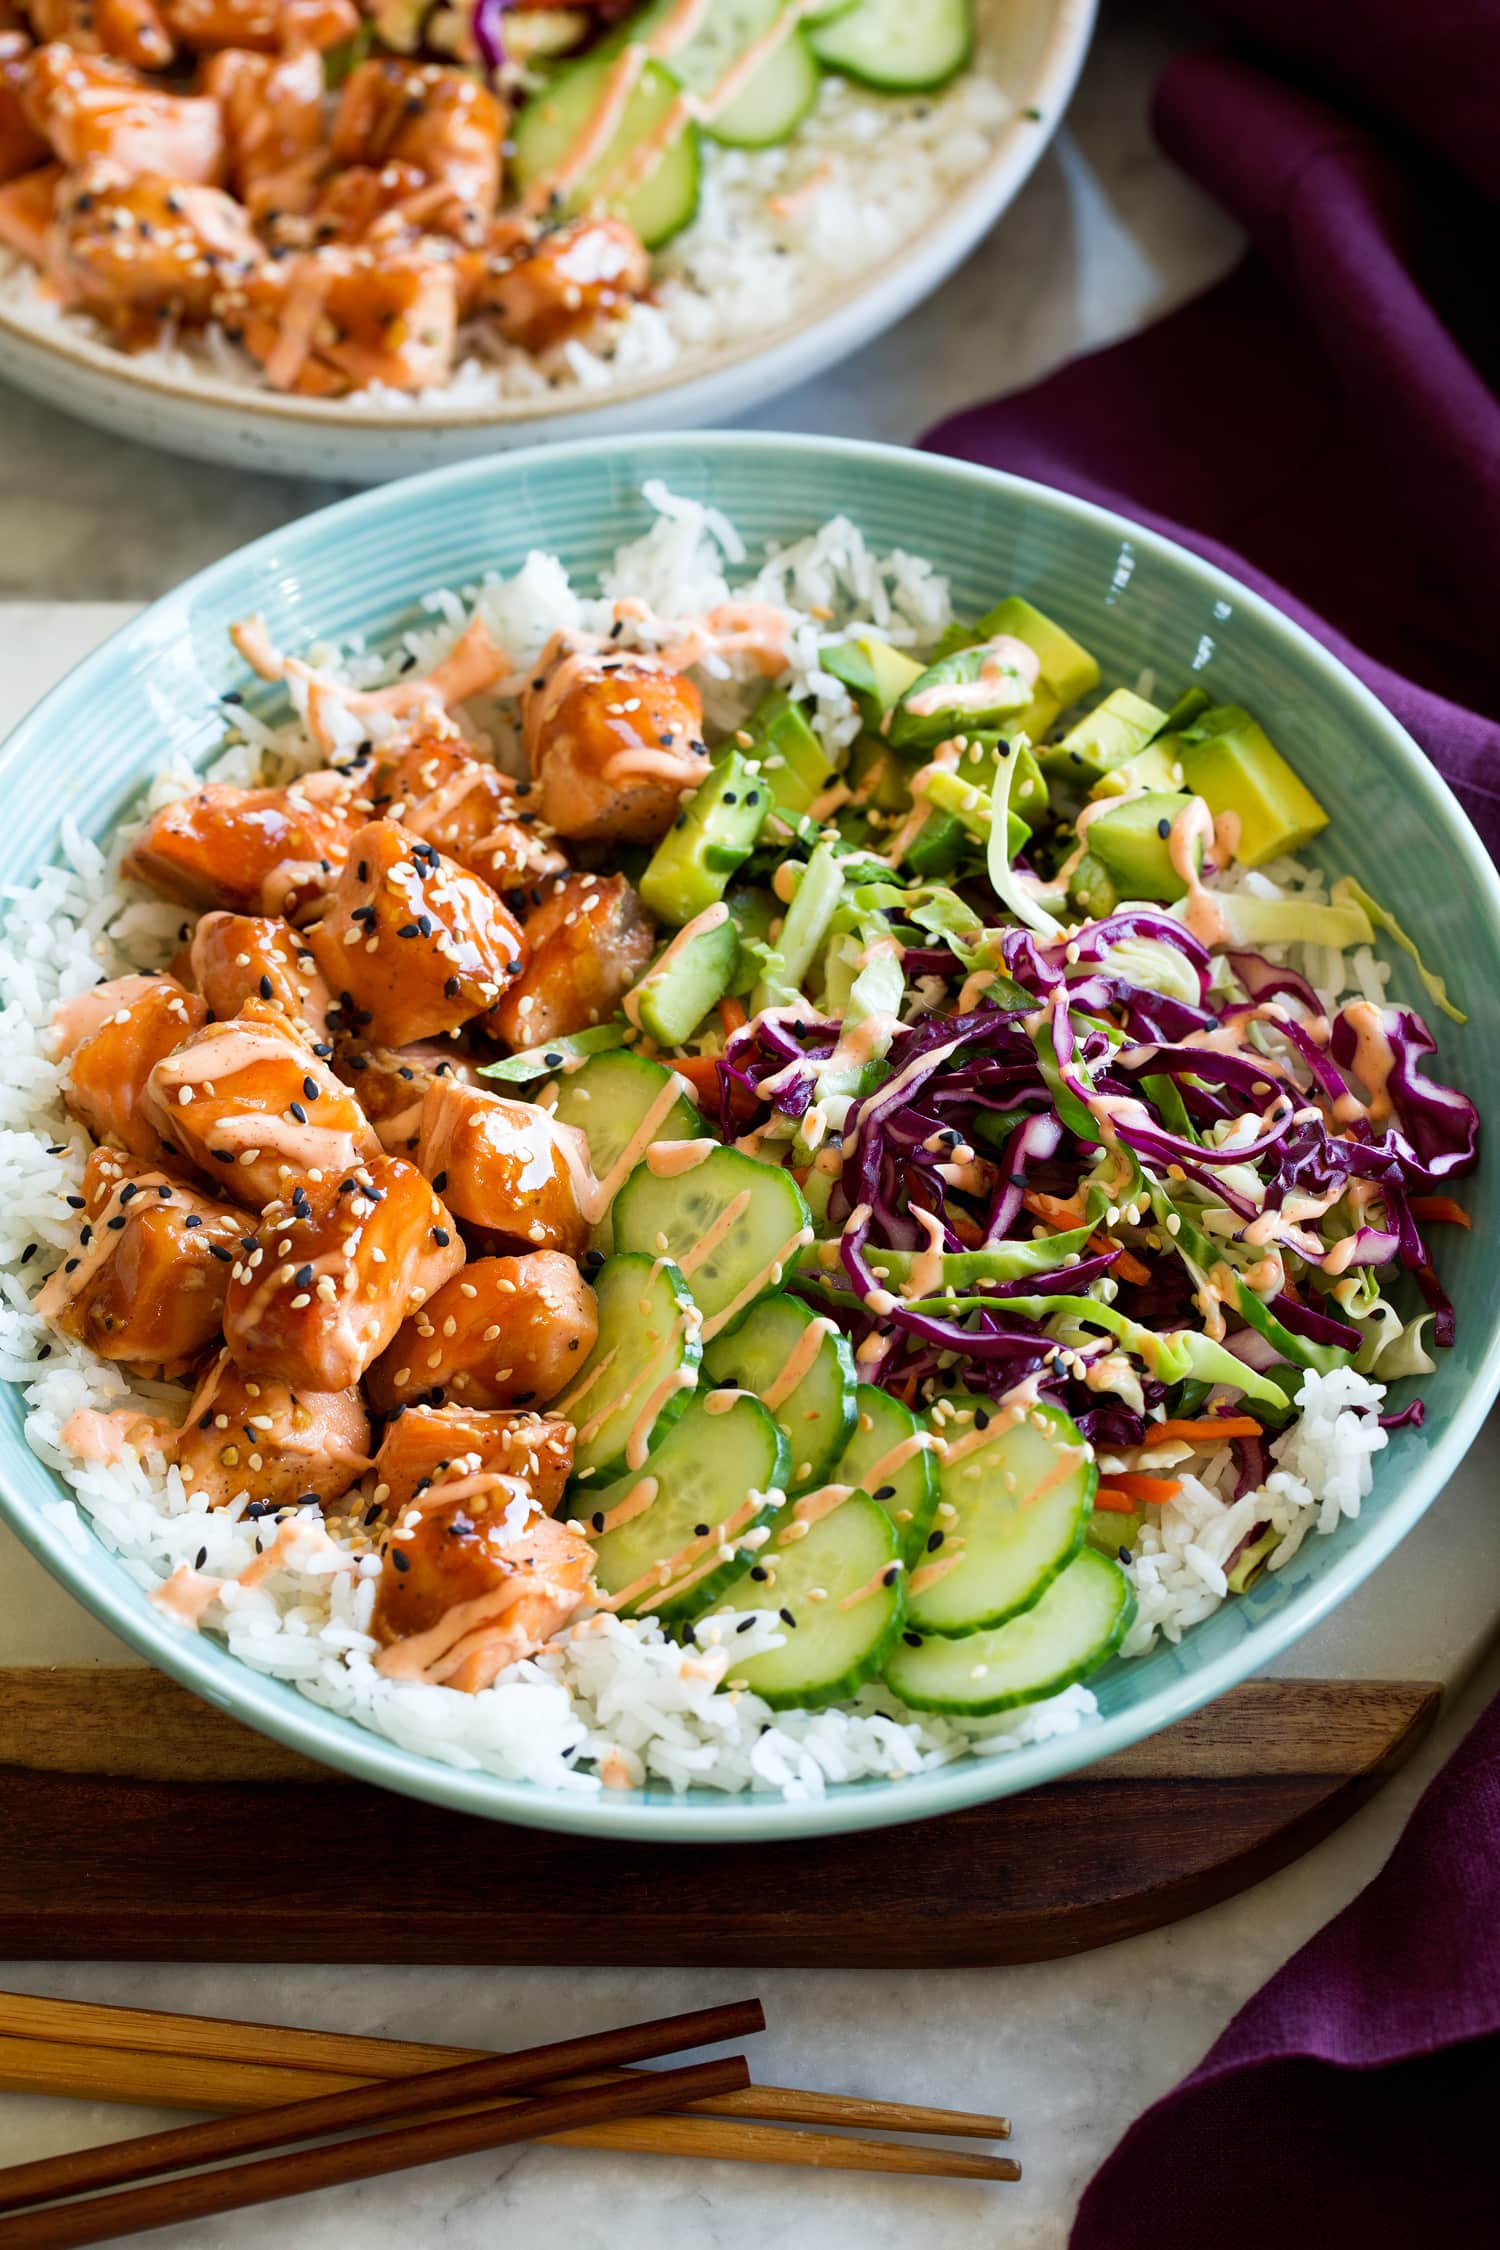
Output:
x=1104 y=737
x=1067 y=669
x=713 y=835
x=795 y=766
x=876 y=675
x=1091 y=887
x=672 y=1000
x=1133 y=842
x=1234 y=766
x=1155 y=766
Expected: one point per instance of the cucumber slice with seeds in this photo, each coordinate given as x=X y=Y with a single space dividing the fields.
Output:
x=907 y=1490
x=1020 y=1485
x=635 y=1382
x=838 y=1593
x=777 y=95
x=1076 y=1626
x=717 y=1476
x=896 y=47
x=611 y=1099
x=556 y=118
x=732 y=1225
x=816 y=1414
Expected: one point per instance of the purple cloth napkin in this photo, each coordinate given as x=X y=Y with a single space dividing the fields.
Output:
x=1325 y=423
x=1352 y=2104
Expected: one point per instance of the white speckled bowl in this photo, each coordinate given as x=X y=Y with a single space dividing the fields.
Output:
x=1034 y=49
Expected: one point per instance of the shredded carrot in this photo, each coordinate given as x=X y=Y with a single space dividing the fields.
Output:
x=970 y=1233
x=1111 y=1501
x=1154 y=1492
x=1207 y=1431
x=1062 y=1212
x=732 y=1013
x=700 y=1071
x=908 y=1391
x=1441 y=1209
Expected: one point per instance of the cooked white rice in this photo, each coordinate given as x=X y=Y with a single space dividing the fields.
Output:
x=778 y=231
x=619 y=1704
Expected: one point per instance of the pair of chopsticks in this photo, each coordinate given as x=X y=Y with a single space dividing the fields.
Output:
x=291 y=2085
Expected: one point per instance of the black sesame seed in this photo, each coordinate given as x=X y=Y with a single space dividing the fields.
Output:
x=28 y=1253
x=86 y=1236
x=1164 y=828
x=889 y=1577
x=130 y=1189
x=399 y=1559
x=935 y=1542
x=700 y=1531
x=745 y=1625
x=1124 y=1554
x=450 y=989
x=886 y=1492
x=267 y=989
x=302 y=1278
x=757 y=1574
x=44 y=1351
x=786 y=1617
x=200 y=1558
x=912 y=1640
x=217 y=1250
x=222 y=1155
x=981 y=1418
x=441 y=1237
x=597 y=1519
x=363 y=871
x=440 y=1181
x=552 y=1061
x=76 y=1202
x=116 y=1224
x=192 y=1220
x=298 y=1112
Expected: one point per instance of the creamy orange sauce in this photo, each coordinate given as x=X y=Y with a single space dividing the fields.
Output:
x=800 y=1362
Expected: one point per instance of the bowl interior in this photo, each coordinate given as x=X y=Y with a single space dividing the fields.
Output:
x=1130 y=596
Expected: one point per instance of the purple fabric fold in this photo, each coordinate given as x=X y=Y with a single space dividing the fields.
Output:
x=1325 y=425
x=1351 y=2104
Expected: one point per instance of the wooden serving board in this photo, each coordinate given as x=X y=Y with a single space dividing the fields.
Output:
x=136 y=1823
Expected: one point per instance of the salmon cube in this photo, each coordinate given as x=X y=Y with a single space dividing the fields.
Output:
x=614 y=740
x=130 y=30
x=109 y=1069
x=86 y=106
x=269 y=25
x=334 y=319
x=334 y=1269
x=465 y=1591
x=251 y=851
x=507 y=1170
x=441 y=121
x=589 y=941
x=147 y=1282
x=275 y=1446
x=428 y=1450
x=417 y=946
x=26 y=209
x=250 y=1105
x=146 y=245
x=392 y=1083
x=570 y=281
x=478 y=817
x=22 y=147
x=237 y=958
x=272 y=107
x=504 y=1332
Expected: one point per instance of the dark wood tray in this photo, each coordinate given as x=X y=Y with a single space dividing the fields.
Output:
x=138 y=1824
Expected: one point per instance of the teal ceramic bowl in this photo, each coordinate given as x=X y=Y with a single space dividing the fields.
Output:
x=1135 y=599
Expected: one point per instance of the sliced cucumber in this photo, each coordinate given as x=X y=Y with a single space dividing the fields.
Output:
x=732 y=1225
x=838 y=1592
x=905 y=1488
x=676 y=993
x=611 y=1099
x=555 y=121
x=776 y=97
x=716 y=1476
x=635 y=1382
x=899 y=48
x=1020 y=1491
x=1075 y=1627
x=816 y=1414
x=558 y=1054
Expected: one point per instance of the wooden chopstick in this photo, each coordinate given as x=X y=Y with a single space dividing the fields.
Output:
x=199 y=2195
x=461 y=2086
x=173 y=2061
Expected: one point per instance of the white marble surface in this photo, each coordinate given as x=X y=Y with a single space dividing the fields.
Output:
x=1104 y=238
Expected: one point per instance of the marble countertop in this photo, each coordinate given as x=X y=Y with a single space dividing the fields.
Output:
x=1105 y=237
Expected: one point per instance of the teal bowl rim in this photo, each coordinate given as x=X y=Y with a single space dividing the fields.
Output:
x=332 y=1740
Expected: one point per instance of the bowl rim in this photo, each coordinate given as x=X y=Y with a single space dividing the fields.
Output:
x=958 y=226
x=207 y=1668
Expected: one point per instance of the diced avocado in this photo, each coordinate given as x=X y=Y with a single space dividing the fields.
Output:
x=793 y=762
x=951 y=829
x=1156 y=766
x=1133 y=842
x=972 y=691
x=1110 y=1530
x=1187 y=707
x=713 y=835
x=887 y=792
x=875 y=674
x=1091 y=887
x=1234 y=766
x=672 y=1000
x=1113 y=731
x=1067 y=670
